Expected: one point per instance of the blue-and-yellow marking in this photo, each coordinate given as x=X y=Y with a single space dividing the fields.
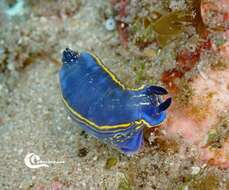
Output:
x=114 y=128
x=118 y=127
x=112 y=75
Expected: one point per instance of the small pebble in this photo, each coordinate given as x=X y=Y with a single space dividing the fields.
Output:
x=151 y=138
x=186 y=187
x=195 y=170
x=82 y=152
x=1 y=51
x=110 y=24
x=10 y=66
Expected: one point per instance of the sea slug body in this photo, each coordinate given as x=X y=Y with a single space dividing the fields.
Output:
x=104 y=107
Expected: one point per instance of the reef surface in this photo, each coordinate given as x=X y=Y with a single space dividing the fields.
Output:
x=189 y=151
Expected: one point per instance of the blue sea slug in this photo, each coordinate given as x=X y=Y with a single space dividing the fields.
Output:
x=104 y=107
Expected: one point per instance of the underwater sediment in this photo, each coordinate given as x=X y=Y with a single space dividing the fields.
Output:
x=180 y=45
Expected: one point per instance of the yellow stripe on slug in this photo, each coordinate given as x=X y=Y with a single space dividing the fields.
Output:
x=125 y=125
x=112 y=75
x=119 y=127
x=104 y=127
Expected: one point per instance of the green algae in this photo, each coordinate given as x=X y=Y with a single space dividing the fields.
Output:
x=219 y=65
x=111 y=162
x=172 y=23
x=213 y=139
x=209 y=182
x=139 y=69
x=124 y=184
x=143 y=31
x=164 y=29
x=204 y=180
x=163 y=26
x=217 y=136
x=140 y=66
x=185 y=94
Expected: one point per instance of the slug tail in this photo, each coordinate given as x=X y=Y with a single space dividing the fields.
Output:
x=69 y=56
x=132 y=145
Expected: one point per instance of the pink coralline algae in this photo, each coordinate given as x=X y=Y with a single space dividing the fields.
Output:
x=204 y=123
x=215 y=14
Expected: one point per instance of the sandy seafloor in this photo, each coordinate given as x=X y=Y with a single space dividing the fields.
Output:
x=33 y=120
